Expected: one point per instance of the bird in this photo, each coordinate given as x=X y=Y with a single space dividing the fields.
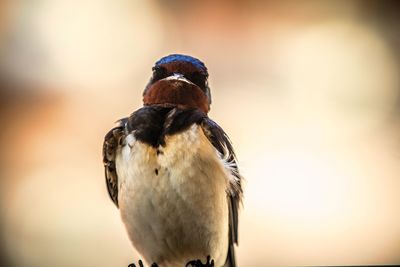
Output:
x=172 y=171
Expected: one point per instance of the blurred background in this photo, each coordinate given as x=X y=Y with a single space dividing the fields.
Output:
x=307 y=90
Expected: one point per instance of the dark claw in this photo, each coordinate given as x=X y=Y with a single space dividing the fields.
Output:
x=198 y=263
x=141 y=264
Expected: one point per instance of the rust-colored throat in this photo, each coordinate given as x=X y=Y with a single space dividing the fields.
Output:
x=179 y=93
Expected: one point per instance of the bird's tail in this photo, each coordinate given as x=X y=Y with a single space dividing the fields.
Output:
x=230 y=259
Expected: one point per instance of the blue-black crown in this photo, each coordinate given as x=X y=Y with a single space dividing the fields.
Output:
x=185 y=58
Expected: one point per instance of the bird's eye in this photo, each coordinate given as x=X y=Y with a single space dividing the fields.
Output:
x=199 y=79
x=159 y=73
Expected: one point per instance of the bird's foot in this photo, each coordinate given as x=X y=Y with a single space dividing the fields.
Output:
x=198 y=263
x=140 y=262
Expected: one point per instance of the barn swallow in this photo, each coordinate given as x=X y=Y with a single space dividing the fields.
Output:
x=172 y=171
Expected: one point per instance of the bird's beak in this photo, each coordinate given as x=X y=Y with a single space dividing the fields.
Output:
x=178 y=77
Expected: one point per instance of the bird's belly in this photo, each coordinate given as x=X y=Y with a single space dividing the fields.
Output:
x=173 y=199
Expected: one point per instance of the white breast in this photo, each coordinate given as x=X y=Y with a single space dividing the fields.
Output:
x=173 y=199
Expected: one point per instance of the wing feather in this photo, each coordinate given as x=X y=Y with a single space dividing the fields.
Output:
x=220 y=140
x=112 y=142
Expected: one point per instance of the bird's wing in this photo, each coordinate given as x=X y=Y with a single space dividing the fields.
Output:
x=223 y=145
x=112 y=142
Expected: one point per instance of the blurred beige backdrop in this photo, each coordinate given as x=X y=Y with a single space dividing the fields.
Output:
x=307 y=90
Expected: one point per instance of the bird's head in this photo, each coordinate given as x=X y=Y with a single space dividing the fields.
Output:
x=179 y=81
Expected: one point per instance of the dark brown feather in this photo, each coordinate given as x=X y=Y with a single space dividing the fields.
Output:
x=112 y=141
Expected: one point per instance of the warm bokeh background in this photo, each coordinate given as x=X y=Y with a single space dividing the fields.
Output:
x=307 y=90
